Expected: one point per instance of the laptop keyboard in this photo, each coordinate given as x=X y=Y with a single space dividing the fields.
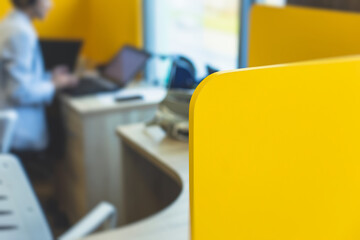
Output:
x=88 y=86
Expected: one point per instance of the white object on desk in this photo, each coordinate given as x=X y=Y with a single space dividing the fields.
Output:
x=149 y=94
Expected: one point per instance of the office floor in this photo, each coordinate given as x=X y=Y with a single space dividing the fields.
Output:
x=45 y=188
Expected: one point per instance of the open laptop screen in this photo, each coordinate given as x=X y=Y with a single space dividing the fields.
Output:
x=60 y=52
x=124 y=67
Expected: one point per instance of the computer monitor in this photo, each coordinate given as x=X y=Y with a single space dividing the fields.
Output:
x=126 y=65
x=60 y=52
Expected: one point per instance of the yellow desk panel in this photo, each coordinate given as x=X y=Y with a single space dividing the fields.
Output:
x=293 y=34
x=275 y=153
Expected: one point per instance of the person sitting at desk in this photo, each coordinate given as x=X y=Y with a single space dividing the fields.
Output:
x=24 y=84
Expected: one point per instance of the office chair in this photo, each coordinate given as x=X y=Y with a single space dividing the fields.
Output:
x=21 y=217
x=7 y=125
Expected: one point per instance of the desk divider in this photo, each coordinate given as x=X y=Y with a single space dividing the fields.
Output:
x=293 y=34
x=274 y=153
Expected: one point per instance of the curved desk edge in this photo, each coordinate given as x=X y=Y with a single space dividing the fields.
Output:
x=171 y=157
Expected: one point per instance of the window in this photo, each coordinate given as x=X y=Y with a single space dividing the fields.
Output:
x=274 y=2
x=206 y=31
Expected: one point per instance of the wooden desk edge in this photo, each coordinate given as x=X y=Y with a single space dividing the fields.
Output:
x=146 y=229
x=154 y=160
x=70 y=102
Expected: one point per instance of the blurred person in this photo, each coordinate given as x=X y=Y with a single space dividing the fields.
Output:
x=24 y=84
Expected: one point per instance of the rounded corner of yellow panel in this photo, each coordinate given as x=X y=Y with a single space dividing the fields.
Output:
x=201 y=88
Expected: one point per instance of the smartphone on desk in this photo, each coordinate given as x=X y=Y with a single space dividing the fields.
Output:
x=129 y=98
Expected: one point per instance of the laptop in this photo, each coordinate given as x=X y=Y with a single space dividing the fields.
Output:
x=121 y=70
x=60 y=52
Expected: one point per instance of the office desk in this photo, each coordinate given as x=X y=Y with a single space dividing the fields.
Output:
x=157 y=180
x=91 y=169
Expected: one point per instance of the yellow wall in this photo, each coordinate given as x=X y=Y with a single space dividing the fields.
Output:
x=4 y=7
x=105 y=25
x=114 y=23
x=68 y=19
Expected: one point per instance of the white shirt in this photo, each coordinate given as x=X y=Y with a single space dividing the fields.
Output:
x=24 y=84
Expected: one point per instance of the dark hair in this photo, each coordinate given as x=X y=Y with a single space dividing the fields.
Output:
x=23 y=3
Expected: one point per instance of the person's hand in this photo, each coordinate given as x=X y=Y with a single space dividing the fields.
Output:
x=63 y=79
x=61 y=70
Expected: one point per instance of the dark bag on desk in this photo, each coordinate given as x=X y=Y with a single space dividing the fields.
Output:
x=183 y=74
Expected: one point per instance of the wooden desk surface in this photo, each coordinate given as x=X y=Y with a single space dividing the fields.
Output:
x=100 y=103
x=92 y=166
x=172 y=157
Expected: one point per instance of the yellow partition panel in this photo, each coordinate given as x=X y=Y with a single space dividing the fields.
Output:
x=275 y=153
x=293 y=34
